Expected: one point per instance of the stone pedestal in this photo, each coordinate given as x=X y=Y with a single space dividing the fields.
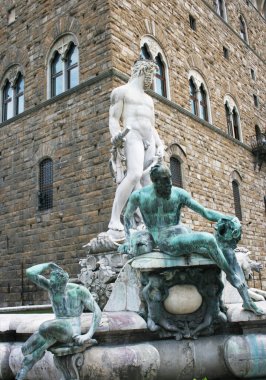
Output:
x=182 y=295
x=128 y=350
x=69 y=359
x=178 y=296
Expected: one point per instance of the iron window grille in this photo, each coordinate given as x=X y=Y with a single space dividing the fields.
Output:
x=45 y=195
x=237 y=201
x=176 y=171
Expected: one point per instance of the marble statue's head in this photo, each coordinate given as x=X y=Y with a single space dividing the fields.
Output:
x=146 y=67
x=162 y=180
x=58 y=279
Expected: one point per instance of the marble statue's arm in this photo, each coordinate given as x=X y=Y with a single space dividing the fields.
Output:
x=115 y=112
x=91 y=305
x=34 y=274
x=211 y=215
x=132 y=205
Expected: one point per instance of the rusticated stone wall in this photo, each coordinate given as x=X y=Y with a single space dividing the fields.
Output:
x=72 y=129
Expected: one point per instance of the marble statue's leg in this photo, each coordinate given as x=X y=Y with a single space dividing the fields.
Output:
x=135 y=159
x=149 y=155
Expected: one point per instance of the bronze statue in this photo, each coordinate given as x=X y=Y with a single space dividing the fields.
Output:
x=68 y=302
x=160 y=205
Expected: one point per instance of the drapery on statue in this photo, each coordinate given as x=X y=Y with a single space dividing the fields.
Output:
x=68 y=302
x=160 y=205
x=138 y=146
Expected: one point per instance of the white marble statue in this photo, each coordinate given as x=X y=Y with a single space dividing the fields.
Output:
x=136 y=143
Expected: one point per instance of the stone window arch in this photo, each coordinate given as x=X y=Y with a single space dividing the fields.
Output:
x=150 y=49
x=232 y=118
x=45 y=194
x=243 y=29
x=221 y=8
x=63 y=65
x=236 y=186
x=199 y=96
x=12 y=93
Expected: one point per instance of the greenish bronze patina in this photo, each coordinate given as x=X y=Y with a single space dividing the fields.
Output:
x=160 y=205
x=68 y=302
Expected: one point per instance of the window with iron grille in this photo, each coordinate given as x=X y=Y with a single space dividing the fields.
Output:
x=45 y=196
x=237 y=202
x=176 y=171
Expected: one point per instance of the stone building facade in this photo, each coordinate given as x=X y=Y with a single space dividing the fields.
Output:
x=217 y=47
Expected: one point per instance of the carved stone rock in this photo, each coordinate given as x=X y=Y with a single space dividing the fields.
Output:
x=99 y=272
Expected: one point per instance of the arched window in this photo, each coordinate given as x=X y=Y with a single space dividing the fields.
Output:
x=198 y=96
x=176 y=171
x=160 y=83
x=63 y=65
x=193 y=97
x=237 y=201
x=150 y=49
x=46 y=184
x=12 y=93
x=72 y=66
x=232 y=118
x=57 y=75
x=7 y=101
x=243 y=29
x=203 y=107
x=19 y=95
